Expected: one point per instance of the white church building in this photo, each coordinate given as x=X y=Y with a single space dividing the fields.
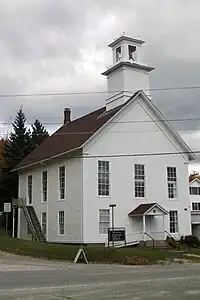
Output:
x=125 y=153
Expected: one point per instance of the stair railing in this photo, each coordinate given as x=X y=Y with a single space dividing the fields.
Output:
x=28 y=219
x=147 y=234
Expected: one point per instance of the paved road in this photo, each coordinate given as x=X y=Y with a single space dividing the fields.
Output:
x=26 y=278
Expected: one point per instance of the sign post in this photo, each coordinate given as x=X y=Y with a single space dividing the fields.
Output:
x=7 y=209
x=113 y=220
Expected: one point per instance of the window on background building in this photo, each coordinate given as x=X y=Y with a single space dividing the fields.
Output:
x=173 y=221
x=103 y=178
x=62 y=182
x=61 y=222
x=196 y=206
x=104 y=221
x=44 y=222
x=139 y=177
x=194 y=190
x=30 y=189
x=44 y=186
x=172 y=182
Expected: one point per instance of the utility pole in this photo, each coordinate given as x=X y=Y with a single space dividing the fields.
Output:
x=113 y=222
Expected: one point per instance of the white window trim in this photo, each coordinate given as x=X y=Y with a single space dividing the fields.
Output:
x=42 y=201
x=178 y=223
x=175 y=198
x=59 y=234
x=110 y=183
x=44 y=212
x=27 y=202
x=103 y=234
x=145 y=187
x=59 y=199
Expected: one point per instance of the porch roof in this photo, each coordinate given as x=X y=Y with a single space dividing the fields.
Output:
x=144 y=209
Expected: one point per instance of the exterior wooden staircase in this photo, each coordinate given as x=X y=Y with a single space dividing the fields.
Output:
x=31 y=219
x=35 y=226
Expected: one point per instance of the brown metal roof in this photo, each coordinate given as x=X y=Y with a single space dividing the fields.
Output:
x=70 y=136
x=141 y=209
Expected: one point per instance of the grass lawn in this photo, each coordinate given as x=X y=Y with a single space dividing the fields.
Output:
x=95 y=254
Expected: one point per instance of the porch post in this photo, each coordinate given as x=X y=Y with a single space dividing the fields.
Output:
x=164 y=225
x=144 y=227
x=19 y=223
x=13 y=227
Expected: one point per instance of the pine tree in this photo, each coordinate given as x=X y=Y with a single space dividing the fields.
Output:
x=39 y=133
x=18 y=146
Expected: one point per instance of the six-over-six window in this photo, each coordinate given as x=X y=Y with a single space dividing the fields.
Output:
x=139 y=178
x=172 y=182
x=62 y=182
x=104 y=221
x=44 y=186
x=103 y=178
x=173 y=221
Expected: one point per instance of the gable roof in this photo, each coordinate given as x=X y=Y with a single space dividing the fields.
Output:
x=143 y=209
x=69 y=137
x=195 y=179
x=75 y=134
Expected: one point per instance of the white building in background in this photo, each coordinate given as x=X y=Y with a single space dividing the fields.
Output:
x=194 y=188
x=125 y=153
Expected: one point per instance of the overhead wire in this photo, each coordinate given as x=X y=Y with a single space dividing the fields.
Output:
x=111 y=156
x=96 y=92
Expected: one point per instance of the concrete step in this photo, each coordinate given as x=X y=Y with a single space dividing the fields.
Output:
x=157 y=244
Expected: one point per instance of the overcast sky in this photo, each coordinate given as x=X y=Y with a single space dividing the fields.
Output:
x=50 y=46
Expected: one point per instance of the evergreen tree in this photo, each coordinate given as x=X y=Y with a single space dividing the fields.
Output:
x=18 y=146
x=39 y=133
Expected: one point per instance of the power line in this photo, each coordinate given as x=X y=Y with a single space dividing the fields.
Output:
x=115 y=131
x=95 y=92
x=112 y=156
x=119 y=122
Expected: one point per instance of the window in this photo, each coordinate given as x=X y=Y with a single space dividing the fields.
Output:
x=172 y=182
x=30 y=189
x=139 y=177
x=194 y=190
x=44 y=222
x=104 y=221
x=44 y=186
x=103 y=178
x=173 y=221
x=62 y=182
x=196 y=206
x=61 y=222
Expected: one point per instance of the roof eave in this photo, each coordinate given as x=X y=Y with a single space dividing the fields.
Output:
x=128 y=64
x=125 y=38
x=45 y=160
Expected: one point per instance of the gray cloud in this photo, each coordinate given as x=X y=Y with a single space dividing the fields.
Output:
x=55 y=46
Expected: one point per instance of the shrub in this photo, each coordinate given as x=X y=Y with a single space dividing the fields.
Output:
x=135 y=260
x=171 y=242
x=192 y=241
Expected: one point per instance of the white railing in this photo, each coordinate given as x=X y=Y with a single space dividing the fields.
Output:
x=156 y=236
x=140 y=236
x=130 y=237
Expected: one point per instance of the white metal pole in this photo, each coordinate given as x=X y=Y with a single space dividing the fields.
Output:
x=144 y=227
x=13 y=230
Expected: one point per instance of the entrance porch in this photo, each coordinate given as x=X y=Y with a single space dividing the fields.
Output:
x=149 y=221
